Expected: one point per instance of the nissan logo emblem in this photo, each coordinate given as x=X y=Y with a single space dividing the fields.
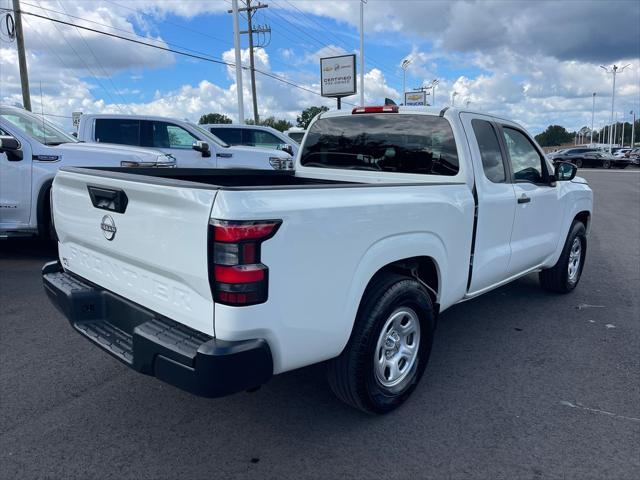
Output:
x=108 y=227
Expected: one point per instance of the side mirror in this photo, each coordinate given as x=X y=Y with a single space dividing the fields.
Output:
x=565 y=171
x=202 y=147
x=285 y=147
x=11 y=146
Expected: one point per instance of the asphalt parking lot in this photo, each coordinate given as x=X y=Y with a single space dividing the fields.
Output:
x=521 y=384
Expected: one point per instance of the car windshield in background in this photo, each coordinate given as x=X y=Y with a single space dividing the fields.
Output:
x=296 y=136
x=36 y=127
x=210 y=135
x=382 y=142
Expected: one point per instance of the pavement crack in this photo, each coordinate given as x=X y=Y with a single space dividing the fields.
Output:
x=597 y=410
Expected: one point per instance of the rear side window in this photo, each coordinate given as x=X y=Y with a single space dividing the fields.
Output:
x=492 y=161
x=117 y=130
x=389 y=142
x=232 y=136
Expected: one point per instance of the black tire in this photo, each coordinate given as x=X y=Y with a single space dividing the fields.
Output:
x=352 y=375
x=606 y=164
x=557 y=278
x=579 y=163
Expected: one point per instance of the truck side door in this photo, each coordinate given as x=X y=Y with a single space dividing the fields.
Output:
x=539 y=213
x=15 y=186
x=496 y=204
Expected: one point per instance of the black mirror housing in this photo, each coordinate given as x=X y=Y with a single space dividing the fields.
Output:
x=202 y=147
x=11 y=146
x=564 y=171
x=285 y=147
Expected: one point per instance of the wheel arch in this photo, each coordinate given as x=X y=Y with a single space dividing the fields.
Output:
x=43 y=207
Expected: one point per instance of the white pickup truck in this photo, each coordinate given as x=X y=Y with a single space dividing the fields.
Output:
x=214 y=281
x=191 y=145
x=31 y=152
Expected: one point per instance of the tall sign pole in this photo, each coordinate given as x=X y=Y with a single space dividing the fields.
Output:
x=362 y=2
x=236 y=45
x=22 y=59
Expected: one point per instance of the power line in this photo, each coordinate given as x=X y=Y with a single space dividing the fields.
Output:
x=104 y=71
x=197 y=56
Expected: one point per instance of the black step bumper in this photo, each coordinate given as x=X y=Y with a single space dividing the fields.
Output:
x=155 y=345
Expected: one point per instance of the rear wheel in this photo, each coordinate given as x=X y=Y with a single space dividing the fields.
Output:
x=579 y=163
x=389 y=346
x=606 y=164
x=564 y=276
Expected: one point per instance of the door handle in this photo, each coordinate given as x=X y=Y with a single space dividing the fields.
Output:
x=107 y=199
x=524 y=198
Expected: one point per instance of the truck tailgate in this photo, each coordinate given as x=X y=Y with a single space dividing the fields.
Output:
x=144 y=241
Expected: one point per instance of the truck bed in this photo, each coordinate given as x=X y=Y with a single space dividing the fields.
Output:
x=231 y=179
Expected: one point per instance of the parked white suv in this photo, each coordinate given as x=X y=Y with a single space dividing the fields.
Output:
x=253 y=136
x=31 y=152
x=393 y=215
x=190 y=144
x=296 y=134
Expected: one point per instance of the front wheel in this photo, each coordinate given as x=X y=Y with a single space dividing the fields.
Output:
x=579 y=163
x=389 y=346
x=564 y=276
x=606 y=164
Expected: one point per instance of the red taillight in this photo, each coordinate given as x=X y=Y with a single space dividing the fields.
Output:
x=236 y=274
x=379 y=109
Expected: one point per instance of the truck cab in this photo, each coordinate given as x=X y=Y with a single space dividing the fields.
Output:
x=191 y=145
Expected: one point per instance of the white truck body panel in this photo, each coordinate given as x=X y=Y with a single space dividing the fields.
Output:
x=332 y=240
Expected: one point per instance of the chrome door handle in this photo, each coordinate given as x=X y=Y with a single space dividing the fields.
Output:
x=524 y=199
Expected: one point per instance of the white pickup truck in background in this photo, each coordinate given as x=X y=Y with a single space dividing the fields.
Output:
x=191 y=145
x=215 y=280
x=31 y=152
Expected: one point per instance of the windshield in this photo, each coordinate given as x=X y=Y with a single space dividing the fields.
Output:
x=210 y=135
x=385 y=142
x=36 y=127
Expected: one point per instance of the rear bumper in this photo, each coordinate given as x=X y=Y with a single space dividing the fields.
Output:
x=155 y=345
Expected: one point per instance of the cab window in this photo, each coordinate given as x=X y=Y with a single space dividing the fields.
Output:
x=260 y=138
x=492 y=161
x=158 y=134
x=232 y=136
x=526 y=162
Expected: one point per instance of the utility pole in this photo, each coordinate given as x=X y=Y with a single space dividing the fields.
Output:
x=22 y=59
x=236 y=46
x=250 y=31
x=593 y=112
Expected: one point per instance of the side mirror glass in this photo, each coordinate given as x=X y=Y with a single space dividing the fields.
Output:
x=285 y=147
x=11 y=146
x=565 y=171
x=202 y=147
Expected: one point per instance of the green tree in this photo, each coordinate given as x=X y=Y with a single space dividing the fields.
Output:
x=308 y=114
x=214 y=118
x=273 y=122
x=554 y=135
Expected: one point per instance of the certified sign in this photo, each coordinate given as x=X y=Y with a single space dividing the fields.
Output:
x=415 y=99
x=338 y=76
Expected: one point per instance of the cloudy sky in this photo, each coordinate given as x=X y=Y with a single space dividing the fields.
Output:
x=536 y=62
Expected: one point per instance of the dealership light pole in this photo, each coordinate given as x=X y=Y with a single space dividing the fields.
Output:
x=434 y=84
x=622 y=135
x=405 y=64
x=633 y=129
x=236 y=46
x=593 y=112
x=614 y=70
x=362 y=2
